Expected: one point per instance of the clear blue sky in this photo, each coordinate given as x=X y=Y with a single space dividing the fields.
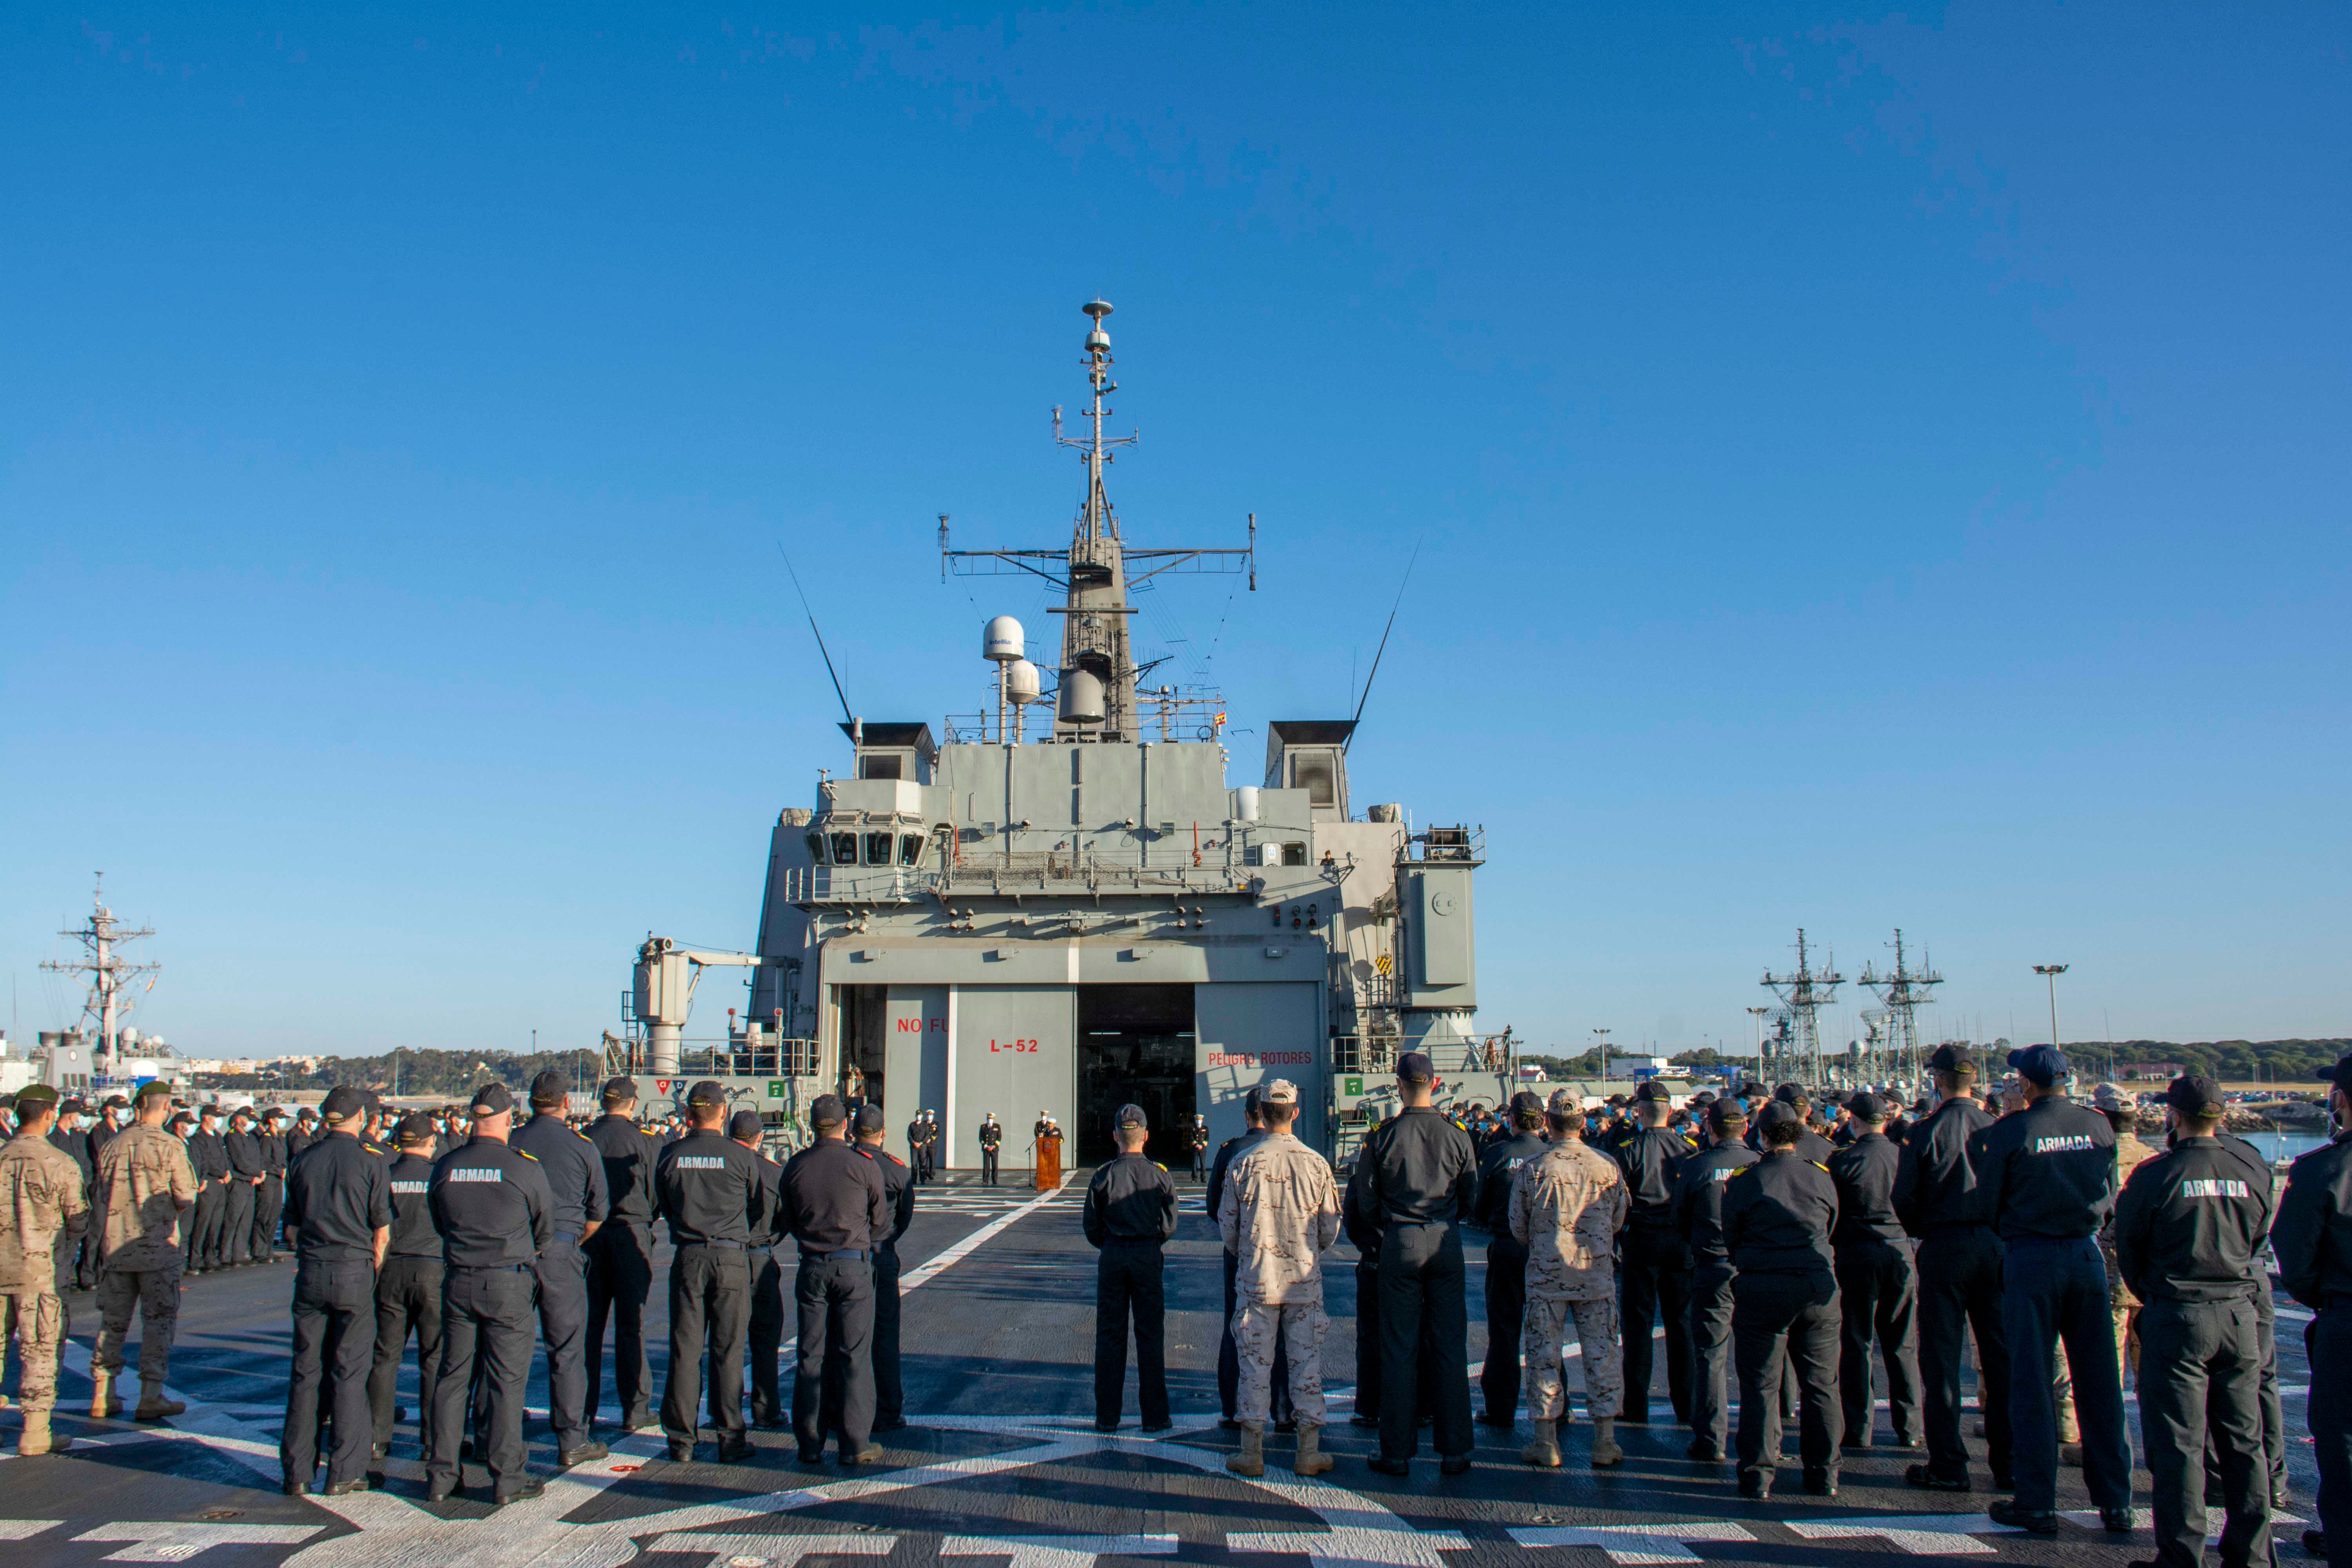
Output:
x=1873 y=469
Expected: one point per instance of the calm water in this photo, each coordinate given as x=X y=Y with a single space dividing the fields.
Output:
x=2283 y=1145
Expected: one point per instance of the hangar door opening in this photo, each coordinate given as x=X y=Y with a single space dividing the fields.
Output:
x=1135 y=1045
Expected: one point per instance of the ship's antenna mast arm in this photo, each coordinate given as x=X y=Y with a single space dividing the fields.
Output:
x=1367 y=696
x=829 y=670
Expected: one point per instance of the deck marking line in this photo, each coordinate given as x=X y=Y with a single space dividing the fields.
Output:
x=1058 y=1551
x=1634 y=1543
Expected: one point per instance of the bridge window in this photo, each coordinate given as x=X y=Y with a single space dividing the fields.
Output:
x=816 y=849
x=877 y=767
x=877 y=850
x=1294 y=854
x=845 y=850
x=910 y=849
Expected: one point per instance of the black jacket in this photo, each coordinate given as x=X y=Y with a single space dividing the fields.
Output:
x=1865 y=1172
x=1698 y=1198
x=1498 y=1167
x=2189 y=1223
x=1649 y=1159
x=1935 y=1184
x=834 y=1199
x=628 y=1152
x=2313 y=1237
x=1130 y=1199
x=2048 y=1171
x=1419 y=1168
x=1778 y=1214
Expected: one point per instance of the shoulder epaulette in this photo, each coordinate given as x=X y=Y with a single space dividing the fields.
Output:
x=1817 y=1165
x=1744 y=1170
x=528 y=1155
x=1158 y=1167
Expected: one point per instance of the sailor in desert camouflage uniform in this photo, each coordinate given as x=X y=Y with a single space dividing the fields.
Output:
x=1566 y=1209
x=145 y=1184
x=41 y=1210
x=1279 y=1214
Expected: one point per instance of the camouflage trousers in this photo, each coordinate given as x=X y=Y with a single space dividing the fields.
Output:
x=154 y=1293
x=1301 y=1325
x=1596 y=1335
x=36 y=1321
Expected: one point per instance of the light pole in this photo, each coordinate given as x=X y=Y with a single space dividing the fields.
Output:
x=1604 y=1054
x=2050 y=971
x=1757 y=1014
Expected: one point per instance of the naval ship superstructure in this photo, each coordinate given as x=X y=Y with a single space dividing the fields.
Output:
x=1056 y=924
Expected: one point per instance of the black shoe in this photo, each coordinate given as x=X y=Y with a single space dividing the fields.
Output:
x=296 y=1489
x=1754 y=1491
x=1505 y=1422
x=812 y=1456
x=1106 y=1425
x=865 y=1455
x=440 y=1493
x=1160 y=1427
x=1453 y=1464
x=1820 y=1483
x=466 y=1448
x=1228 y=1423
x=1704 y=1451
x=681 y=1453
x=2314 y=1542
x=642 y=1421
x=1286 y=1426
x=1862 y=1443
x=774 y=1424
x=1924 y=1476
x=1630 y=1419
x=1361 y=1419
x=1391 y=1467
x=345 y=1489
x=592 y=1450
x=888 y=1424
x=400 y=1413
x=530 y=1489
x=2115 y=1520
x=734 y=1448
x=2040 y=1521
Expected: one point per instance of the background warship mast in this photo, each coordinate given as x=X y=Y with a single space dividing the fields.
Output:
x=1803 y=992
x=111 y=977
x=1900 y=991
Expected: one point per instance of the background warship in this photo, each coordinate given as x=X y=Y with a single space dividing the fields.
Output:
x=1060 y=922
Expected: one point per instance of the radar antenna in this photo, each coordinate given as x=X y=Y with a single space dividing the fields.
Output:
x=111 y=997
x=1900 y=991
x=1803 y=992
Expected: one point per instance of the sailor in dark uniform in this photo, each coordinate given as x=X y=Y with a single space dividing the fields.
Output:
x=2312 y=1241
x=245 y=1174
x=621 y=1256
x=206 y=1228
x=764 y=1332
x=836 y=1206
x=2046 y=1180
x=1507 y=1257
x=496 y=1215
x=1698 y=1218
x=2188 y=1227
x=1777 y=1217
x=574 y=1168
x=898 y=1189
x=1129 y=1215
x=1655 y=1269
x=991 y=1138
x=1877 y=1281
x=341 y=1204
x=1422 y=1182
x=1959 y=1277
x=709 y=1188
x=269 y=1198
x=409 y=1288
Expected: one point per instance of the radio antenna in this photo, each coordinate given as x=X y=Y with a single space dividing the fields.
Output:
x=829 y=670
x=1375 y=670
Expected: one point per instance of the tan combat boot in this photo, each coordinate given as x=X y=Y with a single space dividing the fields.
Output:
x=1543 y=1450
x=1311 y=1460
x=1606 y=1454
x=104 y=1402
x=153 y=1406
x=35 y=1439
x=1251 y=1461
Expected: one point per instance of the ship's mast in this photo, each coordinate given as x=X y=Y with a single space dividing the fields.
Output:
x=110 y=997
x=1096 y=701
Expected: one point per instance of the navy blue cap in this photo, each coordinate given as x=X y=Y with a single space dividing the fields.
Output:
x=2041 y=1065
x=2340 y=1075
x=1414 y=1066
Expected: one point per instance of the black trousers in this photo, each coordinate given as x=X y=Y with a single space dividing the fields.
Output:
x=2200 y=1367
x=1422 y=1284
x=1507 y=1312
x=889 y=1384
x=1791 y=1317
x=709 y=1309
x=1710 y=1319
x=988 y=1166
x=1129 y=1284
x=204 y=1224
x=620 y=1276
x=407 y=1299
x=1878 y=1295
x=485 y=1321
x=562 y=1274
x=2328 y=1342
x=236 y=1223
x=1229 y=1358
x=334 y=1308
x=1960 y=1270
x=836 y=1300
x=766 y=1336
x=2055 y=1291
x=1201 y=1165
x=1653 y=1275
x=268 y=1204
